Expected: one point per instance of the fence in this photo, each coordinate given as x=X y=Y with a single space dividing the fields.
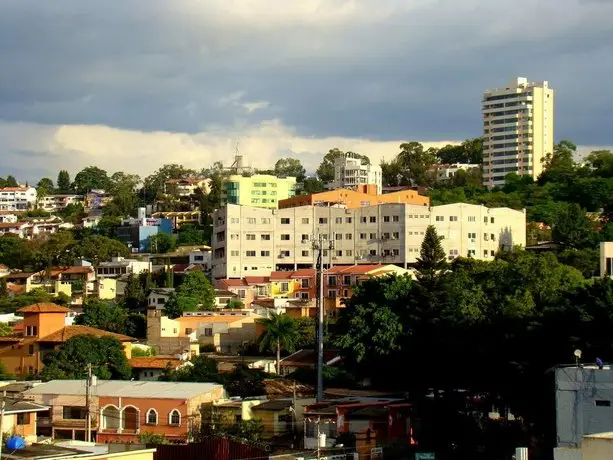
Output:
x=210 y=449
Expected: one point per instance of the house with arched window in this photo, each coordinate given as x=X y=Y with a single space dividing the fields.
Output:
x=122 y=410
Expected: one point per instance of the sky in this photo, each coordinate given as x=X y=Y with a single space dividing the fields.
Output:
x=131 y=85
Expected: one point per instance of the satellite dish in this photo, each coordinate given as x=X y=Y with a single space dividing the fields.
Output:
x=577 y=354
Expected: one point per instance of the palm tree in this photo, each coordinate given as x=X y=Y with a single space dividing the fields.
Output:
x=281 y=333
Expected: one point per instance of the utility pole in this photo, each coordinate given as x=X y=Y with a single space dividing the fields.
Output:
x=318 y=440
x=2 y=420
x=88 y=416
x=319 y=243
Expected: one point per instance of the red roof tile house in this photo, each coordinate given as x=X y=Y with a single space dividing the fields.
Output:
x=44 y=330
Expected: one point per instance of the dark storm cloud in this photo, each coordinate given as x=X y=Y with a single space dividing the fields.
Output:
x=381 y=69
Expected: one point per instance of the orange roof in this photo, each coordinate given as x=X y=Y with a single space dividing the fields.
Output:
x=69 y=332
x=304 y=273
x=16 y=288
x=3 y=267
x=257 y=279
x=14 y=189
x=233 y=282
x=43 y=308
x=11 y=338
x=211 y=319
x=77 y=270
x=154 y=362
x=9 y=225
x=352 y=269
x=282 y=275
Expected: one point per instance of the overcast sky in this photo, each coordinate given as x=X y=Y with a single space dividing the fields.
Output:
x=133 y=84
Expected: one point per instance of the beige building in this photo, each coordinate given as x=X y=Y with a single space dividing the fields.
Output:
x=517 y=130
x=249 y=241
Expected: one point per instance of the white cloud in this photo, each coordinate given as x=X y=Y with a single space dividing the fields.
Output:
x=74 y=147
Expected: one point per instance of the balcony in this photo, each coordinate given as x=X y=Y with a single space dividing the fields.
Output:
x=67 y=423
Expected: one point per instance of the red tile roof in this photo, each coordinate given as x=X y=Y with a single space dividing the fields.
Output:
x=69 y=332
x=155 y=362
x=43 y=308
x=233 y=282
x=307 y=358
x=10 y=225
x=14 y=189
x=282 y=275
x=304 y=273
x=257 y=279
x=77 y=270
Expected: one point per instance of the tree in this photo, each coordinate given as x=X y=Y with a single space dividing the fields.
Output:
x=571 y=227
x=200 y=369
x=11 y=182
x=100 y=314
x=4 y=375
x=73 y=213
x=197 y=286
x=134 y=294
x=244 y=382
x=149 y=438
x=559 y=165
x=325 y=171
x=432 y=259
x=4 y=290
x=5 y=330
x=311 y=185
x=98 y=248
x=154 y=185
x=290 y=167
x=392 y=173
x=91 y=178
x=191 y=235
x=63 y=182
x=235 y=304
x=172 y=307
x=415 y=161
x=281 y=334
x=44 y=187
x=105 y=354
x=123 y=189
x=161 y=243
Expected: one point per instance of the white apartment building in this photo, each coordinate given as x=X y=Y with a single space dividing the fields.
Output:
x=249 y=241
x=17 y=198
x=52 y=203
x=119 y=266
x=517 y=129
x=350 y=172
x=446 y=172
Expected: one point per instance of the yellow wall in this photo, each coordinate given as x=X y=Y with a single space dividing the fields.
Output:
x=260 y=190
x=276 y=291
x=107 y=289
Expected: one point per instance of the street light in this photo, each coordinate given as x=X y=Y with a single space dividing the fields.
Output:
x=319 y=243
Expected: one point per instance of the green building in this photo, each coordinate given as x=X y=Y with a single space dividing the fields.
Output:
x=260 y=190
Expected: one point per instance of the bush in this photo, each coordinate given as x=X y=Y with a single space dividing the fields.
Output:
x=138 y=352
x=208 y=348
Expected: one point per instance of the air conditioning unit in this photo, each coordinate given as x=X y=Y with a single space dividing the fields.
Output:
x=473 y=240
x=393 y=237
x=281 y=256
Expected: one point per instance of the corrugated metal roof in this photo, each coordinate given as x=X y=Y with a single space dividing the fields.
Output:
x=125 y=388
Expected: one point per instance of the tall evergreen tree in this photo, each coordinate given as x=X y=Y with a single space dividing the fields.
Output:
x=11 y=181
x=432 y=259
x=63 y=181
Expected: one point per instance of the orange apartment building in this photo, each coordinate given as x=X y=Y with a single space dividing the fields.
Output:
x=124 y=409
x=366 y=195
x=20 y=417
x=44 y=330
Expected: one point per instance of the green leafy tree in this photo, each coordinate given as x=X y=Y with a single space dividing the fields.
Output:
x=572 y=228
x=191 y=235
x=312 y=185
x=197 y=286
x=200 y=369
x=104 y=315
x=290 y=167
x=4 y=290
x=44 y=187
x=99 y=248
x=392 y=173
x=11 y=182
x=134 y=294
x=172 y=307
x=63 y=182
x=91 y=178
x=244 y=382
x=5 y=330
x=155 y=184
x=73 y=213
x=281 y=334
x=105 y=354
x=4 y=375
x=415 y=161
x=559 y=165
x=149 y=438
x=136 y=325
x=235 y=304
x=161 y=243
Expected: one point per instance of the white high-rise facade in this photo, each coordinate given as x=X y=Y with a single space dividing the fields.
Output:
x=351 y=172
x=517 y=130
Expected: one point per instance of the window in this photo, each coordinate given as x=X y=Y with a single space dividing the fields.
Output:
x=284 y=253
x=304 y=238
x=373 y=252
x=233 y=236
x=602 y=403
x=234 y=220
x=395 y=235
x=304 y=295
x=492 y=237
x=242 y=293
x=208 y=332
x=348 y=220
x=362 y=220
x=440 y=218
x=492 y=253
x=305 y=253
x=349 y=253
x=386 y=218
x=472 y=219
x=453 y=218
x=234 y=253
x=338 y=236
x=331 y=280
x=284 y=287
x=372 y=236
x=285 y=220
x=492 y=220
x=250 y=237
x=250 y=253
x=265 y=236
x=264 y=253
x=285 y=237
x=266 y=220
x=485 y=236
x=472 y=236
x=386 y=236
x=338 y=220
x=30 y=350
x=332 y=294
x=323 y=220
x=396 y=252
x=304 y=283
x=362 y=236
x=325 y=253
x=152 y=417
x=485 y=220
x=305 y=221
x=395 y=218
x=23 y=418
x=31 y=331
x=348 y=236
x=471 y=252
x=174 y=417
x=251 y=220
x=485 y=253
x=373 y=219
x=339 y=253
x=347 y=280
x=188 y=330
x=73 y=413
